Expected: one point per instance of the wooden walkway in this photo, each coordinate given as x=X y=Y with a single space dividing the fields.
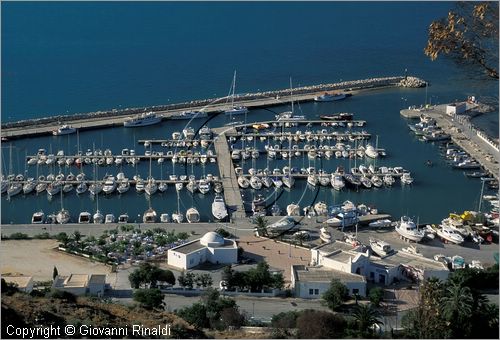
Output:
x=227 y=175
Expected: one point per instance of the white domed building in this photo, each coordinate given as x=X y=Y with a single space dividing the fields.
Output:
x=212 y=247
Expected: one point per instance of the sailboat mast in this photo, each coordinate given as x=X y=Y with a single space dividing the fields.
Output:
x=234 y=87
x=291 y=93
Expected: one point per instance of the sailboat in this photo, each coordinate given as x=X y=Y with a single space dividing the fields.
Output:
x=177 y=216
x=287 y=179
x=98 y=217
x=150 y=214
x=235 y=110
x=62 y=216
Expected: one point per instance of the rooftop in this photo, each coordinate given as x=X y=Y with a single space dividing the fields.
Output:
x=328 y=248
x=398 y=258
x=97 y=279
x=323 y=274
x=20 y=281
x=191 y=247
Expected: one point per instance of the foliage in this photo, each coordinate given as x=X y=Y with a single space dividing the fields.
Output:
x=223 y=232
x=261 y=226
x=8 y=288
x=18 y=236
x=335 y=295
x=148 y=274
x=313 y=324
x=149 y=298
x=230 y=316
x=366 y=316
x=376 y=295
x=63 y=295
x=186 y=280
x=283 y=322
x=196 y=315
x=203 y=280
x=469 y=34
x=42 y=236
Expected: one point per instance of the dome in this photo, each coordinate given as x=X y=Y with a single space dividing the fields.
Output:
x=212 y=239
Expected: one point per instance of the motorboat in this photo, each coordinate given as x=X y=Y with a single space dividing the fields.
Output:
x=243 y=182
x=164 y=218
x=140 y=185
x=123 y=186
x=351 y=239
x=219 y=210
x=286 y=224
x=151 y=187
x=449 y=234
x=255 y=183
x=365 y=181
x=38 y=217
x=123 y=218
x=301 y=235
x=40 y=187
x=376 y=181
x=98 y=217
x=63 y=216
x=192 y=185
x=353 y=180
x=381 y=248
x=143 y=119
x=370 y=151
x=189 y=115
x=337 y=181
x=288 y=116
x=388 y=180
x=411 y=249
x=325 y=235
x=110 y=218
x=321 y=209
x=338 y=117
x=407 y=229
x=163 y=186
x=380 y=223
x=278 y=183
x=330 y=97
x=149 y=216
x=275 y=210
x=53 y=188
x=406 y=178
x=345 y=218
x=258 y=203
x=192 y=215
x=64 y=130
x=218 y=188
x=204 y=186
x=188 y=132
x=312 y=179
x=180 y=185
x=288 y=180
x=95 y=188
x=84 y=217
x=177 y=217
x=109 y=185
x=293 y=210
x=81 y=188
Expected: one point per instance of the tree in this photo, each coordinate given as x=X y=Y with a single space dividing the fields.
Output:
x=313 y=324
x=63 y=238
x=261 y=226
x=186 y=280
x=54 y=273
x=77 y=236
x=376 y=296
x=335 y=295
x=149 y=298
x=282 y=323
x=136 y=279
x=231 y=316
x=469 y=34
x=278 y=281
x=203 y=280
x=301 y=237
x=366 y=316
x=456 y=307
x=165 y=275
x=196 y=315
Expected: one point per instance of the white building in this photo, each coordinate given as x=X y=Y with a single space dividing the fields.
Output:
x=456 y=108
x=312 y=282
x=81 y=284
x=22 y=283
x=212 y=247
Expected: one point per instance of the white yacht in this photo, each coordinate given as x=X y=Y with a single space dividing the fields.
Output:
x=408 y=230
x=64 y=130
x=38 y=217
x=381 y=248
x=288 y=116
x=84 y=217
x=321 y=209
x=143 y=119
x=109 y=185
x=149 y=216
x=330 y=97
x=203 y=186
x=376 y=181
x=389 y=180
x=286 y=224
x=450 y=235
x=312 y=179
x=337 y=181
x=164 y=218
x=293 y=210
x=219 y=209
x=29 y=186
x=188 y=132
x=243 y=182
x=190 y=115
x=406 y=178
x=370 y=151
x=98 y=217
x=124 y=186
x=192 y=215
x=110 y=218
x=177 y=216
x=288 y=180
x=123 y=218
x=255 y=183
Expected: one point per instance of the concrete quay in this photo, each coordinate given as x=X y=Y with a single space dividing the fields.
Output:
x=102 y=119
x=227 y=175
x=463 y=134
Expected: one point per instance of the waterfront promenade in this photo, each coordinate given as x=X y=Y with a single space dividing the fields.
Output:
x=103 y=119
x=463 y=134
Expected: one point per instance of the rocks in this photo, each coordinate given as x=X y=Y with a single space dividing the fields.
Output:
x=412 y=82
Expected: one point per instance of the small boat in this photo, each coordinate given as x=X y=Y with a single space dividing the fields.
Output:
x=164 y=218
x=321 y=209
x=84 y=217
x=448 y=234
x=365 y=181
x=143 y=119
x=370 y=151
x=275 y=210
x=380 y=223
x=389 y=180
x=219 y=210
x=192 y=215
x=376 y=181
x=38 y=217
x=337 y=181
x=338 y=117
x=243 y=182
x=411 y=249
x=457 y=262
x=123 y=218
x=81 y=188
x=475 y=174
x=218 y=188
x=64 y=130
x=98 y=217
x=351 y=239
x=288 y=116
x=380 y=248
x=258 y=204
x=63 y=216
x=177 y=216
x=330 y=97
x=406 y=178
x=29 y=186
x=407 y=229
x=325 y=235
x=110 y=218
x=285 y=224
x=190 y=115
x=123 y=186
x=255 y=183
x=149 y=216
x=293 y=210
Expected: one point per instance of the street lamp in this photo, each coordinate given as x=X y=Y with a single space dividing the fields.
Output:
x=139 y=220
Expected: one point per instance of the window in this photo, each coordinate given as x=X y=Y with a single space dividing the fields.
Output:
x=355 y=291
x=316 y=292
x=311 y=291
x=191 y=261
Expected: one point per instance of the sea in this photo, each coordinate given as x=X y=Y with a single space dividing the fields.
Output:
x=73 y=57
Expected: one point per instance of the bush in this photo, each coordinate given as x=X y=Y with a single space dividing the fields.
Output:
x=19 y=236
x=149 y=298
x=196 y=315
x=376 y=296
x=42 y=236
x=223 y=232
x=312 y=324
x=335 y=295
x=62 y=295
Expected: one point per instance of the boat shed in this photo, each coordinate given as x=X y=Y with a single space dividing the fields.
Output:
x=212 y=248
x=81 y=284
x=22 y=283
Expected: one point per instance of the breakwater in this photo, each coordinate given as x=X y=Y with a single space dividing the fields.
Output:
x=108 y=118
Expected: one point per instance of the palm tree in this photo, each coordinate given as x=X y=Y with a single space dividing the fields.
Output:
x=77 y=236
x=301 y=237
x=456 y=306
x=366 y=316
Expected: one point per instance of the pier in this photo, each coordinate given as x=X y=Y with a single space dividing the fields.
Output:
x=463 y=134
x=103 y=119
x=227 y=175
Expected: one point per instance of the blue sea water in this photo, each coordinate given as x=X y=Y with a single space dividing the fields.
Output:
x=70 y=57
